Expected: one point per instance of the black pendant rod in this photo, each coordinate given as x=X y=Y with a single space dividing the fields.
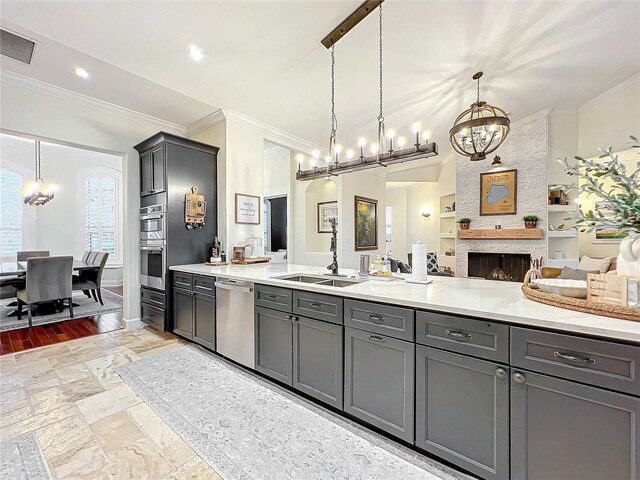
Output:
x=351 y=21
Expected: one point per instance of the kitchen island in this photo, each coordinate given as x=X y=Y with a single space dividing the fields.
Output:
x=469 y=371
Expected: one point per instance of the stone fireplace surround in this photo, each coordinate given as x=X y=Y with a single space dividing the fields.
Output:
x=525 y=149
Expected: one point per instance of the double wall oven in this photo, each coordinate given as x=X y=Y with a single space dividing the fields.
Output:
x=153 y=245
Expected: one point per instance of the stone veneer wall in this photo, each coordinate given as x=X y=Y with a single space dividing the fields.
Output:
x=525 y=149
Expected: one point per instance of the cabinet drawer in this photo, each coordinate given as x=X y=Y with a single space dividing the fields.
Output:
x=274 y=297
x=153 y=297
x=153 y=316
x=595 y=362
x=393 y=321
x=183 y=280
x=318 y=306
x=204 y=284
x=469 y=336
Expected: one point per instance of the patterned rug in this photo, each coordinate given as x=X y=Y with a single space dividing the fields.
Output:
x=247 y=428
x=21 y=459
x=86 y=307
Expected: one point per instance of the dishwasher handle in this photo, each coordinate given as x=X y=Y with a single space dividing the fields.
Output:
x=234 y=288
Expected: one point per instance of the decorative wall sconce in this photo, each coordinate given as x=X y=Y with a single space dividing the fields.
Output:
x=425 y=213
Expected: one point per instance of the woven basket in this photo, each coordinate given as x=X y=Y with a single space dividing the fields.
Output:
x=532 y=292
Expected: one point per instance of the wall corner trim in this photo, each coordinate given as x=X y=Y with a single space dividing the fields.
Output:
x=612 y=91
x=532 y=117
x=68 y=95
x=206 y=122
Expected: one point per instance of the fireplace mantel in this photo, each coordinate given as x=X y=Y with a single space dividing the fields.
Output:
x=501 y=234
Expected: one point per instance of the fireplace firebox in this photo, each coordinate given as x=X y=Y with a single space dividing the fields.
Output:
x=508 y=267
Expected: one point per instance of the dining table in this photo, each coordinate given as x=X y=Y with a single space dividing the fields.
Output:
x=20 y=268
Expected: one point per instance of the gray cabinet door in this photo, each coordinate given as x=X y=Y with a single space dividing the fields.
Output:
x=317 y=360
x=379 y=381
x=462 y=411
x=204 y=320
x=157 y=161
x=563 y=430
x=146 y=174
x=273 y=339
x=183 y=313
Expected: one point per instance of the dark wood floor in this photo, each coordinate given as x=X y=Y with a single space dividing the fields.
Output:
x=25 y=338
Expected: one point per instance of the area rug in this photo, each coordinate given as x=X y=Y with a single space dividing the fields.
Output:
x=21 y=459
x=86 y=307
x=247 y=428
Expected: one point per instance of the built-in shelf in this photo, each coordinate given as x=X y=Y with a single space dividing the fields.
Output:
x=448 y=215
x=501 y=234
x=562 y=234
x=562 y=208
x=447 y=235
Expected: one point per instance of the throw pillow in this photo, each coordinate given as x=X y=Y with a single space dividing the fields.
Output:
x=600 y=264
x=569 y=273
x=432 y=263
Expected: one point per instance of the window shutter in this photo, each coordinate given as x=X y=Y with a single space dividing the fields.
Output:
x=100 y=193
x=11 y=205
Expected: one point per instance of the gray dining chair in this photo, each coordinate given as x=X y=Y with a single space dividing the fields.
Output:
x=48 y=280
x=91 y=280
x=85 y=256
x=25 y=255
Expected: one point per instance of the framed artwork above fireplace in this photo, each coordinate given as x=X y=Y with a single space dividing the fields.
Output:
x=498 y=192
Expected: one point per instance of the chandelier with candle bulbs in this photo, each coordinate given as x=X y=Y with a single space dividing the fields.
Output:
x=388 y=150
x=38 y=193
x=480 y=129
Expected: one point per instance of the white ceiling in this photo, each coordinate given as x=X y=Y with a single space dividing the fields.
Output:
x=264 y=58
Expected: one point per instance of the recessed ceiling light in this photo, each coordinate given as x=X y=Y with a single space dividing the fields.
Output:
x=81 y=72
x=196 y=53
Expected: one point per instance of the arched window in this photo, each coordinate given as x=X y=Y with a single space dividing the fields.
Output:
x=11 y=204
x=101 y=211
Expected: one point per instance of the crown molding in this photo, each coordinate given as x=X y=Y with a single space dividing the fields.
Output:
x=612 y=91
x=206 y=122
x=529 y=118
x=273 y=134
x=31 y=83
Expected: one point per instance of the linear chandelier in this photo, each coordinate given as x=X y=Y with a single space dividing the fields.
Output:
x=36 y=193
x=383 y=153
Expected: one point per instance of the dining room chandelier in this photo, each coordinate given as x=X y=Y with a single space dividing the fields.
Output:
x=480 y=129
x=384 y=152
x=38 y=193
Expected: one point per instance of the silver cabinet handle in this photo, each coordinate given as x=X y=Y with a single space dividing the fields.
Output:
x=518 y=378
x=317 y=306
x=574 y=358
x=376 y=338
x=272 y=297
x=294 y=319
x=501 y=373
x=458 y=334
x=289 y=317
x=377 y=318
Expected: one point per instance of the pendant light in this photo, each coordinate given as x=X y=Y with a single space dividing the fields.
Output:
x=36 y=193
x=479 y=130
x=384 y=152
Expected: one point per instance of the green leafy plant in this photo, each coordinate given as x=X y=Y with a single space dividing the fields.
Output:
x=531 y=218
x=464 y=220
x=609 y=181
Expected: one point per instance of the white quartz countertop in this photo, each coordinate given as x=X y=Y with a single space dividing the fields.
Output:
x=486 y=299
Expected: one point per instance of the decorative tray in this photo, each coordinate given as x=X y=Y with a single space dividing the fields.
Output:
x=532 y=292
x=566 y=288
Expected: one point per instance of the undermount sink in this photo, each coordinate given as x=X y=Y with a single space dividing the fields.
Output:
x=322 y=280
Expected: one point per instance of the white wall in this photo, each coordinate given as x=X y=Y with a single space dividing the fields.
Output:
x=396 y=198
x=277 y=172
x=610 y=118
x=427 y=230
x=32 y=111
x=319 y=190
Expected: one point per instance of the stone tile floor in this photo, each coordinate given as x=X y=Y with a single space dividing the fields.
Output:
x=89 y=423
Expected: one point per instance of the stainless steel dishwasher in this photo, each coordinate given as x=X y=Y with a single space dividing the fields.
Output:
x=234 y=321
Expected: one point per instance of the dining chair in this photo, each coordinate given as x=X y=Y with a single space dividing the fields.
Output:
x=48 y=280
x=85 y=256
x=10 y=286
x=91 y=280
x=25 y=255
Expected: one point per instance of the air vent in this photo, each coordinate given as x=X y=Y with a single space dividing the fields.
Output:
x=16 y=47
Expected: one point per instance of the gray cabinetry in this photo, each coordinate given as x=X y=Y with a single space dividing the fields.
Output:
x=152 y=171
x=379 y=384
x=146 y=174
x=317 y=359
x=316 y=305
x=157 y=162
x=274 y=297
x=384 y=319
x=462 y=411
x=274 y=346
x=194 y=313
x=563 y=430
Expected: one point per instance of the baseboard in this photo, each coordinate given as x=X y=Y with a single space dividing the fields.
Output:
x=133 y=323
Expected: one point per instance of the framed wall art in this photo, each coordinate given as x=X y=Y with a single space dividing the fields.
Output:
x=326 y=211
x=498 y=192
x=366 y=223
x=247 y=209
